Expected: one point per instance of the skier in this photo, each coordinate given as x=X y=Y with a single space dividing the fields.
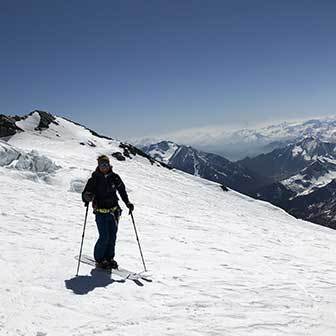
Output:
x=101 y=189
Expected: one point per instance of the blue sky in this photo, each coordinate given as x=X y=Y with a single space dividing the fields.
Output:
x=137 y=68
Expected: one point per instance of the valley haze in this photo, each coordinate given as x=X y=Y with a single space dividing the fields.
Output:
x=237 y=143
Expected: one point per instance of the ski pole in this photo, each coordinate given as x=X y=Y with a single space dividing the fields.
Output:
x=81 y=247
x=137 y=237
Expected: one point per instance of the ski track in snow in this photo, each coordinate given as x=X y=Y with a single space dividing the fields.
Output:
x=222 y=263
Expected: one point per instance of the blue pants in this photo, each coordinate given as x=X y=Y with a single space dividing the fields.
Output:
x=107 y=226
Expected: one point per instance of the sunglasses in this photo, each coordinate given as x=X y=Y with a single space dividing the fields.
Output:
x=104 y=165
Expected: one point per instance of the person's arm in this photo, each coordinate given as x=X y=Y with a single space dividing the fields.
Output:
x=89 y=191
x=122 y=192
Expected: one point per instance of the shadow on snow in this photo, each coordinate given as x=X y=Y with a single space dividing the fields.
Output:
x=84 y=284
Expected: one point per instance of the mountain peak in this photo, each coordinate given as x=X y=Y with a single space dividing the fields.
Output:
x=206 y=165
x=311 y=148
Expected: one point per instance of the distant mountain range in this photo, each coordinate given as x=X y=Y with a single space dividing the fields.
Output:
x=237 y=144
x=299 y=177
x=283 y=162
x=207 y=165
x=303 y=179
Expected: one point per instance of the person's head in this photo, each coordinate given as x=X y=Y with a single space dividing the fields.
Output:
x=104 y=164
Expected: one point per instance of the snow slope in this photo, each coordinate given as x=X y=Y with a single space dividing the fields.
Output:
x=222 y=263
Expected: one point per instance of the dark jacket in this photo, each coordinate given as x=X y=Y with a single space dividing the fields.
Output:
x=104 y=189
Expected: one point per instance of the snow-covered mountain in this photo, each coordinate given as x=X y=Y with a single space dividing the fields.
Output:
x=275 y=136
x=222 y=263
x=239 y=143
x=207 y=165
x=279 y=177
x=318 y=205
x=284 y=162
x=317 y=175
x=301 y=171
x=163 y=150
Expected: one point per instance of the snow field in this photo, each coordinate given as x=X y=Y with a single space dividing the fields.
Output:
x=222 y=263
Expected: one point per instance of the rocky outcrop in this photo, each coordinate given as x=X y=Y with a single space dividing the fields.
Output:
x=46 y=120
x=7 y=126
x=130 y=149
x=118 y=156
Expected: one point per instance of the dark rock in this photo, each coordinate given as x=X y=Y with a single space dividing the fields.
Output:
x=136 y=151
x=91 y=144
x=18 y=118
x=133 y=150
x=224 y=188
x=127 y=153
x=118 y=156
x=46 y=120
x=7 y=126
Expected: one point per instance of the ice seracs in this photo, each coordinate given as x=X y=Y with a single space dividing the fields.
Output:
x=12 y=157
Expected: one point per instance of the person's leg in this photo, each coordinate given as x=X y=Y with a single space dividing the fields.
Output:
x=113 y=229
x=102 y=243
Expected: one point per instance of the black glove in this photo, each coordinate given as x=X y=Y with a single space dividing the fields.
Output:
x=130 y=206
x=87 y=197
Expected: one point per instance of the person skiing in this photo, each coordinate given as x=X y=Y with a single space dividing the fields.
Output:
x=102 y=189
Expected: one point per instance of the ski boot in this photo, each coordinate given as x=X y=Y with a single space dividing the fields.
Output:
x=104 y=264
x=113 y=264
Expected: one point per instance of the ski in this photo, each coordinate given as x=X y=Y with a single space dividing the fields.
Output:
x=121 y=272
